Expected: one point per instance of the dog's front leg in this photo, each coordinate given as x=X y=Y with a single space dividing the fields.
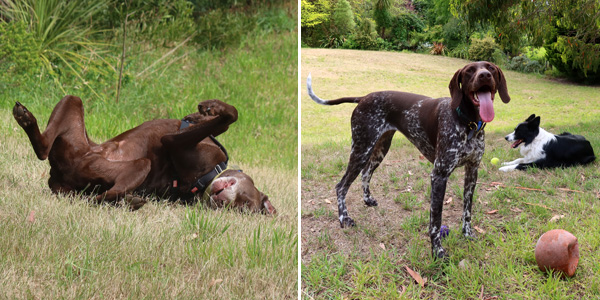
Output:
x=470 y=183
x=514 y=162
x=439 y=178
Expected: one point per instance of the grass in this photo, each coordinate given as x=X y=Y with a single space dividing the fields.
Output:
x=56 y=247
x=368 y=261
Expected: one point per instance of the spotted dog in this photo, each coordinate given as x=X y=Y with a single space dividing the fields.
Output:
x=447 y=131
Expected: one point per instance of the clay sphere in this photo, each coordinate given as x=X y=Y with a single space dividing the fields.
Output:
x=557 y=250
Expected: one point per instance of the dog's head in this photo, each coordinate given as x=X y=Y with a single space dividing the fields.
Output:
x=525 y=132
x=478 y=83
x=235 y=189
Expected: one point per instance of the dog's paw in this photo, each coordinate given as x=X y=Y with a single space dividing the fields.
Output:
x=439 y=253
x=134 y=202
x=213 y=107
x=347 y=222
x=370 y=202
x=23 y=116
x=507 y=168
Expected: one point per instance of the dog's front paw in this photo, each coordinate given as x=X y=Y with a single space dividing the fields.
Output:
x=507 y=168
x=134 y=202
x=23 y=116
x=213 y=107
x=439 y=253
x=346 y=221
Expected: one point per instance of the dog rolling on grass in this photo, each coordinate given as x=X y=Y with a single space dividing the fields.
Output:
x=447 y=131
x=542 y=149
x=177 y=159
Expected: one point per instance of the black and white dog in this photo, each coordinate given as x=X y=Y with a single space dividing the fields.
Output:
x=543 y=149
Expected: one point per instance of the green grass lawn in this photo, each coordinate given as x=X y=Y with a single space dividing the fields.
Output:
x=71 y=249
x=369 y=261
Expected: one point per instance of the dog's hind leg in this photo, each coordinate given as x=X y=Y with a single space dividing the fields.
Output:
x=362 y=147
x=66 y=119
x=379 y=152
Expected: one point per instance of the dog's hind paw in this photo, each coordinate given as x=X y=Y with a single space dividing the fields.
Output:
x=23 y=116
x=346 y=221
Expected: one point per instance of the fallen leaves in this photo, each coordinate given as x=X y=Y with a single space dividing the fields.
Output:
x=214 y=282
x=491 y=212
x=479 y=229
x=556 y=218
x=31 y=217
x=382 y=246
x=449 y=200
x=416 y=276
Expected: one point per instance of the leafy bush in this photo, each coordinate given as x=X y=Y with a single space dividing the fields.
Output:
x=405 y=29
x=522 y=63
x=365 y=36
x=460 y=51
x=454 y=33
x=577 y=60
x=482 y=49
x=18 y=51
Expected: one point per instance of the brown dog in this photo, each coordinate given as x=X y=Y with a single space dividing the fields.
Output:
x=447 y=131
x=173 y=158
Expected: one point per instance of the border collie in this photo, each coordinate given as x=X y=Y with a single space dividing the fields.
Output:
x=545 y=150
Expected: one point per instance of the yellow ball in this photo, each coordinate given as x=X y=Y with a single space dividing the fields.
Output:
x=495 y=161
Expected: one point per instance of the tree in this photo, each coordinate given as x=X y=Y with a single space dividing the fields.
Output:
x=382 y=15
x=569 y=29
x=343 y=17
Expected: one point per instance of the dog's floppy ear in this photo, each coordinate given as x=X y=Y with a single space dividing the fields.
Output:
x=456 y=89
x=267 y=207
x=530 y=118
x=501 y=85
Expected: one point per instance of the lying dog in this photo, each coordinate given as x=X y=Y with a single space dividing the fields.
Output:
x=173 y=158
x=545 y=150
x=447 y=131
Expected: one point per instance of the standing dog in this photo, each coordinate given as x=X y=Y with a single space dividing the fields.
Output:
x=447 y=131
x=174 y=158
x=545 y=150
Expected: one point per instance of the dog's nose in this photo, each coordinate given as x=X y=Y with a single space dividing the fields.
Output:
x=506 y=137
x=485 y=75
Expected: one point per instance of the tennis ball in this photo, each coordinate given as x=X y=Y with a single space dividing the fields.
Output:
x=495 y=161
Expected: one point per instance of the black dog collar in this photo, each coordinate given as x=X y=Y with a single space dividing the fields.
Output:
x=204 y=181
x=473 y=127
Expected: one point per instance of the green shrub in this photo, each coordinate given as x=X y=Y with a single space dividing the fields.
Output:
x=365 y=36
x=460 y=51
x=482 y=49
x=405 y=29
x=522 y=63
x=18 y=51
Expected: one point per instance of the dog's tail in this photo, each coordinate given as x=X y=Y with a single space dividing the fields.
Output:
x=328 y=102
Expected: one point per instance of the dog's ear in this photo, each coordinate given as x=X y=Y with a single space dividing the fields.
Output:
x=267 y=207
x=530 y=118
x=501 y=85
x=456 y=89
x=534 y=123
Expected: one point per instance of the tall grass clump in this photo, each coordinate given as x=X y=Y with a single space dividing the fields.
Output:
x=64 y=34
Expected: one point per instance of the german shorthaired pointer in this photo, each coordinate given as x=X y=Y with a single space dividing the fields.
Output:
x=179 y=159
x=447 y=131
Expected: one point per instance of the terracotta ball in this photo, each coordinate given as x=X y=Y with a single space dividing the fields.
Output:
x=557 y=250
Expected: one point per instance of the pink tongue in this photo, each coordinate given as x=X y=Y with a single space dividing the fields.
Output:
x=486 y=106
